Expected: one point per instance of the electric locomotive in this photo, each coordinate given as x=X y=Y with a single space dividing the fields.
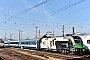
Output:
x=70 y=44
x=86 y=40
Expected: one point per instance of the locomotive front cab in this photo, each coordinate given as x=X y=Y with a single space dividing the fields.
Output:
x=76 y=44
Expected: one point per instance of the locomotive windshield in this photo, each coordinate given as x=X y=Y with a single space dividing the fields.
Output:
x=77 y=39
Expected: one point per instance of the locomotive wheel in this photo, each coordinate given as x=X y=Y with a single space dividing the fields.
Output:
x=67 y=52
x=60 y=51
x=72 y=53
x=57 y=50
x=63 y=51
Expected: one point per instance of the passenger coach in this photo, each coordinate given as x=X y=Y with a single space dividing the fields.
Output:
x=14 y=43
x=32 y=43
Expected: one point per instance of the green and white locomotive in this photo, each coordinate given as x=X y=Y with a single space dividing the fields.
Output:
x=70 y=44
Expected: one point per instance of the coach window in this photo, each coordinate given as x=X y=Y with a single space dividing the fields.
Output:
x=13 y=42
x=26 y=42
x=34 y=42
x=22 y=42
x=88 y=41
x=5 y=43
x=29 y=42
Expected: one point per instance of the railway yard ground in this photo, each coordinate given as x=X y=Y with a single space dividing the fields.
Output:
x=27 y=54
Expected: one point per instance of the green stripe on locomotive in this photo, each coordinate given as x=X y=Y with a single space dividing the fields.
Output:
x=79 y=45
x=67 y=45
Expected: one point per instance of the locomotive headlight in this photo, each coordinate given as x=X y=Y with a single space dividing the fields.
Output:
x=83 y=49
x=76 y=50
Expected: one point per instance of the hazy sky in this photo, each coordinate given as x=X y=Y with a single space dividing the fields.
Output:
x=25 y=15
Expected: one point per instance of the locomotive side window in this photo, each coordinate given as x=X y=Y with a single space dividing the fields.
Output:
x=70 y=42
x=88 y=41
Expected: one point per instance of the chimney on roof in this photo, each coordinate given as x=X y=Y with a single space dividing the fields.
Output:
x=73 y=30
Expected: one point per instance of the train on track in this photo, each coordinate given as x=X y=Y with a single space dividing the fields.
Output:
x=65 y=45
x=86 y=39
x=1 y=43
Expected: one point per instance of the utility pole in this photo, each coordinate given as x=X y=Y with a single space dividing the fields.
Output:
x=53 y=32
x=39 y=33
x=36 y=31
x=63 y=31
x=5 y=36
x=21 y=34
x=73 y=31
x=11 y=36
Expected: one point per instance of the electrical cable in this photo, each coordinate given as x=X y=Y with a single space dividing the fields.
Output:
x=58 y=10
x=24 y=11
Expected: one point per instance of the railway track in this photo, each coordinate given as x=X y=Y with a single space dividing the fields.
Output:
x=53 y=54
x=40 y=55
x=8 y=54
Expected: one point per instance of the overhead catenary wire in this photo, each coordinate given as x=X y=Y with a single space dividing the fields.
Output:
x=57 y=11
x=10 y=17
x=34 y=22
x=24 y=11
x=60 y=10
x=42 y=15
x=51 y=12
x=64 y=8
x=8 y=10
x=51 y=2
x=77 y=21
